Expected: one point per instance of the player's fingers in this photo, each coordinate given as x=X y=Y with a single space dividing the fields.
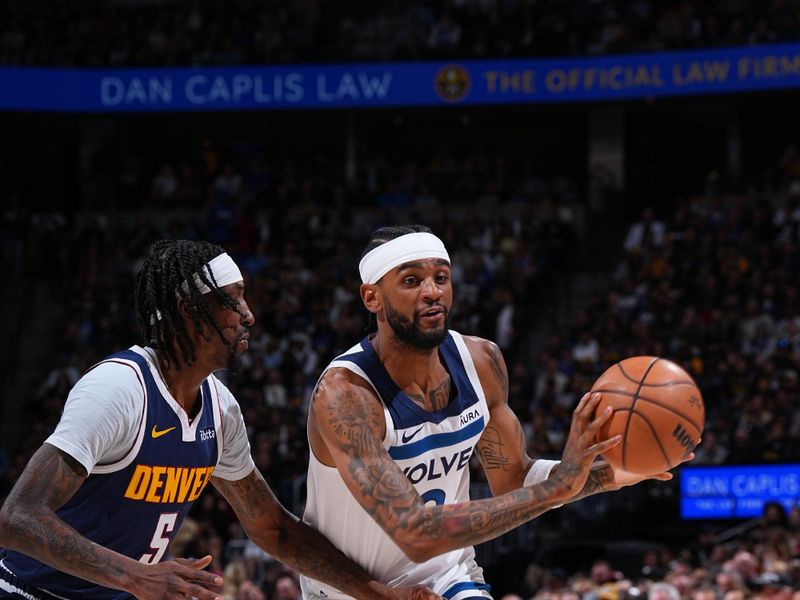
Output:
x=604 y=445
x=600 y=420
x=195 y=591
x=662 y=476
x=195 y=563
x=685 y=459
x=204 y=578
x=584 y=416
x=590 y=406
x=583 y=412
x=584 y=399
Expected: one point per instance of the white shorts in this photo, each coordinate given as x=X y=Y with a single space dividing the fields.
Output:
x=463 y=581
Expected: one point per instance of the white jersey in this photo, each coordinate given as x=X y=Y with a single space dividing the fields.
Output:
x=433 y=449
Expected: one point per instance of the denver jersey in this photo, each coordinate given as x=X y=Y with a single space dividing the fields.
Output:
x=433 y=450
x=137 y=504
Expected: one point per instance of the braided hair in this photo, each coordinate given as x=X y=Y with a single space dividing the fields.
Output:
x=387 y=234
x=159 y=283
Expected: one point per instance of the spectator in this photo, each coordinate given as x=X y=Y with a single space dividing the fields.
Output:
x=249 y=591
x=663 y=591
x=165 y=186
x=286 y=587
x=646 y=233
x=247 y=33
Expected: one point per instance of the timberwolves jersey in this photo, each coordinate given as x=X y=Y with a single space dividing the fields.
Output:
x=433 y=450
x=135 y=505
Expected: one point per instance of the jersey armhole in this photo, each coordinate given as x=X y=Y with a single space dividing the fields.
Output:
x=128 y=457
x=218 y=420
x=472 y=372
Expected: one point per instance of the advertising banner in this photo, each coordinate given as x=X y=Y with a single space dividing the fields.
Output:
x=519 y=81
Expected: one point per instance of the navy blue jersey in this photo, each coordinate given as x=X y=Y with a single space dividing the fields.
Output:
x=136 y=505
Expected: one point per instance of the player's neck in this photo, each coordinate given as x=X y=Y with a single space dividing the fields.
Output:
x=406 y=366
x=184 y=383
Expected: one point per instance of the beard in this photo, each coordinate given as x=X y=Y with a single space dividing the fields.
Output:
x=409 y=332
x=235 y=363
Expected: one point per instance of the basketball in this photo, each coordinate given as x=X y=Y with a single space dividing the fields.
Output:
x=658 y=410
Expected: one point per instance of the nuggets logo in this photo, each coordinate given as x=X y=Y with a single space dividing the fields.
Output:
x=452 y=83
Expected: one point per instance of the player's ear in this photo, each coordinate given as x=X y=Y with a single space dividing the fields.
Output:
x=371 y=297
x=182 y=308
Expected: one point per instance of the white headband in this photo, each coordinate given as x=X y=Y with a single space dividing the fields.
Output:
x=224 y=270
x=387 y=256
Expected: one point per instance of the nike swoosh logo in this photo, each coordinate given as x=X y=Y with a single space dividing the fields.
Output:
x=157 y=434
x=408 y=438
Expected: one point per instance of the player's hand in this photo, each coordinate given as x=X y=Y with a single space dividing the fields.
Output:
x=581 y=449
x=180 y=578
x=414 y=592
x=625 y=478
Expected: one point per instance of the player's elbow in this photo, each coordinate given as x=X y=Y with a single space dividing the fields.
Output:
x=419 y=548
x=19 y=520
x=4 y=525
x=11 y=524
x=417 y=554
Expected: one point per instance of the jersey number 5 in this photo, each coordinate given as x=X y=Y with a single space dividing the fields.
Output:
x=160 y=541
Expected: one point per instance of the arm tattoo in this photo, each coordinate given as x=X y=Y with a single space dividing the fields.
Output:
x=249 y=497
x=498 y=367
x=490 y=450
x=392 y=501
x=31 y=526
x=287 y=538
x=601 y=479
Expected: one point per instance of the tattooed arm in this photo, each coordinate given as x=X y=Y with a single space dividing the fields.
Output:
x=30 y=525
x=604 y=478
x=350 y=424
x=501 y=449
x=296 y=544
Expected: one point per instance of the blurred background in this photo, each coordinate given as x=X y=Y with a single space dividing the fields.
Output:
x=612 y=178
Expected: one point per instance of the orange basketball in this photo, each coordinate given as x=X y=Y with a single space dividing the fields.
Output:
x=658 y=410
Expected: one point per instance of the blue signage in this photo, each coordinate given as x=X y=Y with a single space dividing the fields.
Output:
x=402 y=84
x=737 y=492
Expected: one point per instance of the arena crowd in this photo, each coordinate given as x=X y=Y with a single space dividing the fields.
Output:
x=213 y=32
x=711 y=285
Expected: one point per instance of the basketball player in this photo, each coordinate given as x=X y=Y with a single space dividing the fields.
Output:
x=395 y=419
x=142 y=433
